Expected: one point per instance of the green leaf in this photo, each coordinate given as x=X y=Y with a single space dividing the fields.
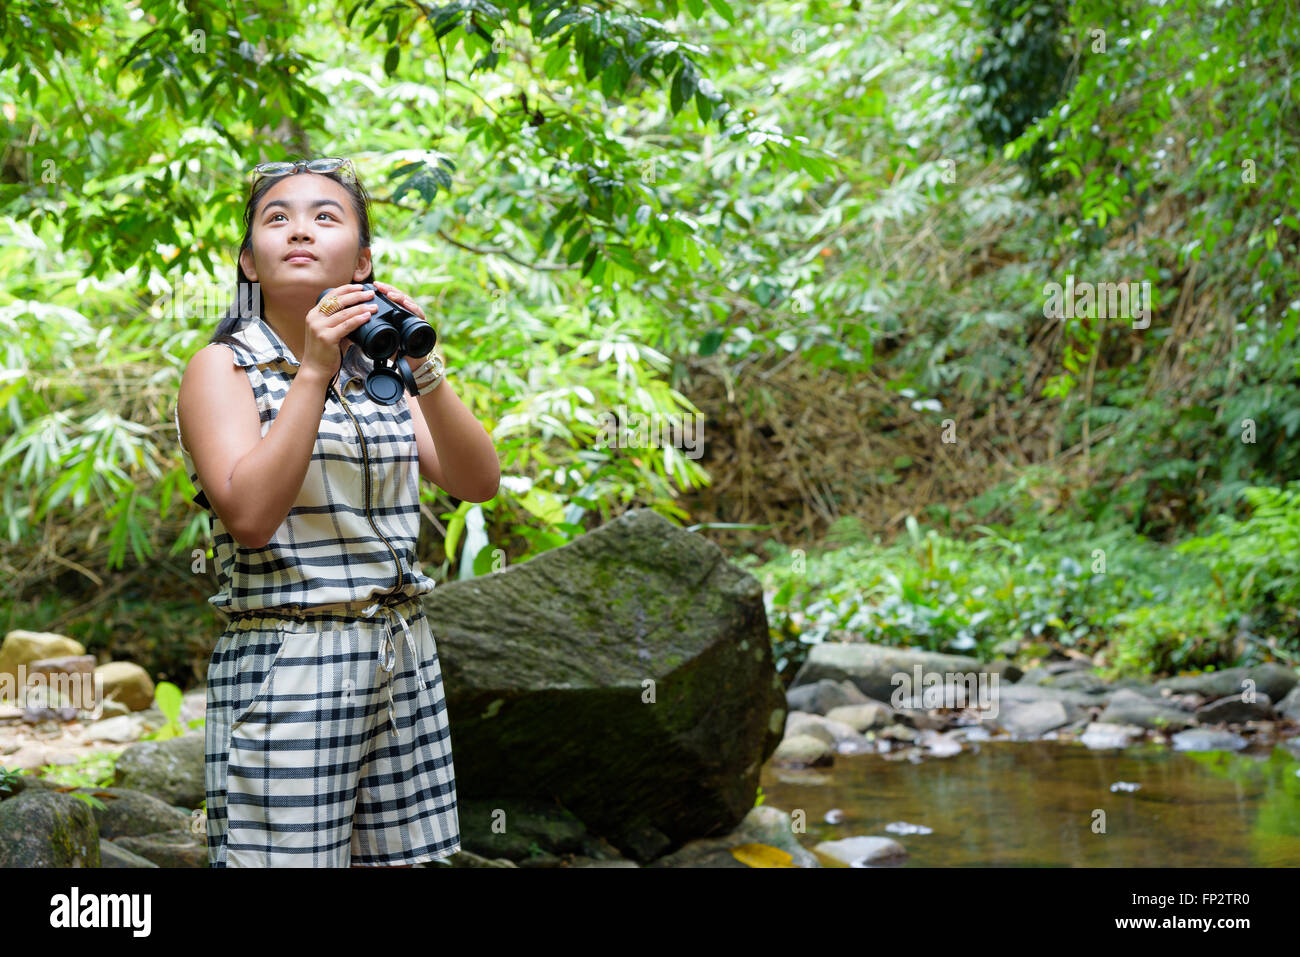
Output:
x=724 y=10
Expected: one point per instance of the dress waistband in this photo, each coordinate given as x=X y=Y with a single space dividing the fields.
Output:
x=332 y=611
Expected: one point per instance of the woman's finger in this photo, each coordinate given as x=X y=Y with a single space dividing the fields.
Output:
x=401 y=298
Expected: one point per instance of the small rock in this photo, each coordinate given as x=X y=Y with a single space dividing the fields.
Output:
x=862 y=717
x=765 y=826
x=1235 y=709
x=902 y=827
x=1100 y=735
x=1208 y=739
x=812 y=725
x=127 y=682
x=73 y=676
x=171 y=769
x=898 y=732
x=111 y=855
x=1007 y=671
x=861 y=851
x=1076 y=679
x=802 y=750
x=1130 y=707
x=1289 y=707
x=179 y=848
x=941 y=745
x=1033 y=719
x=821 y=697
x=921 y=720
x=1270 y=678
x=23 y=647
x=128 y=813
x=121 y=730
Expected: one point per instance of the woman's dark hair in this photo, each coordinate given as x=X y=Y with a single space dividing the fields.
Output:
x=242 y=307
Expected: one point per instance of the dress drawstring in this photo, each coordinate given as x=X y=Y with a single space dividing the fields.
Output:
x=388 y=657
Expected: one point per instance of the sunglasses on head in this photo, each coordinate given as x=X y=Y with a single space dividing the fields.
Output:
x=326 y=165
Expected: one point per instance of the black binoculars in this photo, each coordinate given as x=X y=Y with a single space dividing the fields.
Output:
x=380 y=336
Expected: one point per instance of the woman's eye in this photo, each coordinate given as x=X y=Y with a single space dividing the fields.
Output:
x=318 y=215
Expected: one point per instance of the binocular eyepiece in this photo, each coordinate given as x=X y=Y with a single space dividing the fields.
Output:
x=391 y=327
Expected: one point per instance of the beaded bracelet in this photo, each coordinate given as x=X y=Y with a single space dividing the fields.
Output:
x=429 y=375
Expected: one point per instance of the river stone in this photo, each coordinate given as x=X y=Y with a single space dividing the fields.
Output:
x=1130 y=707
x=1289 y=707
x=43 y=828
x=874 y=668
x=803 y=751
x=1208 y=739
x=1007 y=671
x=1044 y=673
x=1136 y=685
x=123 y=729
x=942 y=745
x=1234 y=709
x=171 y=769
x=182 y=847
x=1031 y=719
x=812 y=725
x=1271 y=678
x=111 y=855
x=127 y=682
x=468 y=859
x=765 y=825
x=847 y=739
x=863 y=717
x=920 y=719
x=44 y=702
x=821 y=697
x=547 y=668
x=130 y=813
x=1099 y=735
x=1076 y=679
x=73 y=675
x=899 y=732
x=1076 y=703
x=23 y=647
x=508 y=827
x=857 y=851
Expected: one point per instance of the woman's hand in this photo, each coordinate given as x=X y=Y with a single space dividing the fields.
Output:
x=406 y=302
x=321 y=353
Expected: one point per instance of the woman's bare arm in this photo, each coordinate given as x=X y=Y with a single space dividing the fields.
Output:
x=251 y=480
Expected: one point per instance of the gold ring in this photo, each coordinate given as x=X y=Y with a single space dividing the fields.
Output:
x=329 y=305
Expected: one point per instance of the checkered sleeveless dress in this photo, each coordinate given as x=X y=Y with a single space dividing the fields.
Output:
x=327 y=738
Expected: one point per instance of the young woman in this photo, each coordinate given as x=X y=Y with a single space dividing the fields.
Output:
x=327 y=737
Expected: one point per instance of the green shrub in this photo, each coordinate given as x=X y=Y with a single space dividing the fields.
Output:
x=1190 y=635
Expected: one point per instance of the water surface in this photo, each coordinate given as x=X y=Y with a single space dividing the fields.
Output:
x=1032 y=804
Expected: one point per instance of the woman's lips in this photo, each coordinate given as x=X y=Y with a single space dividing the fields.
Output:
x=300 y=259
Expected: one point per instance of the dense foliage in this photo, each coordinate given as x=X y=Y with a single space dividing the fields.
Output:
x=599 y=202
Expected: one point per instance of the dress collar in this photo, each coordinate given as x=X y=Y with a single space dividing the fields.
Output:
x=263 y=345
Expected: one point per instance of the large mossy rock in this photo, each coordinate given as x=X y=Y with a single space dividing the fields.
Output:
x=44 y=828
x=627 y=675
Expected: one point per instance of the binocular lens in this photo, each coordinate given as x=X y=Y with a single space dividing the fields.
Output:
x=418 y=336
x=377 y=339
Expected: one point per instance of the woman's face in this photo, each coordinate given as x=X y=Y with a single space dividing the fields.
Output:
x=312 y=214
